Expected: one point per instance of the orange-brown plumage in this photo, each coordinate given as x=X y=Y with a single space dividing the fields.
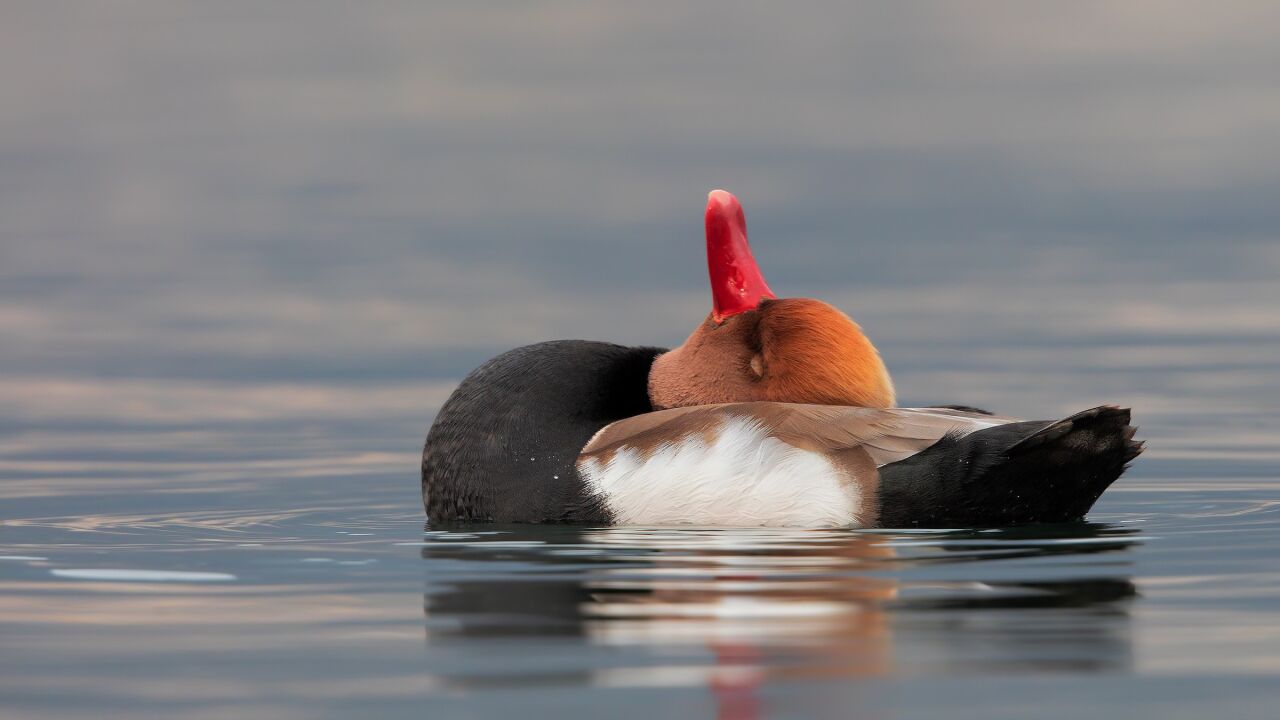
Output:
x=813 y=353
x=791 y=350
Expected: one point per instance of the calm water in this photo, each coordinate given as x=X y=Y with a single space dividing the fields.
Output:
x=246 y=252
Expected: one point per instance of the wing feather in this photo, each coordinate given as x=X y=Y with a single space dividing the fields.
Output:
x=886 y=435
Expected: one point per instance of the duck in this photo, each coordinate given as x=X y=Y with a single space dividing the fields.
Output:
x=775 y=412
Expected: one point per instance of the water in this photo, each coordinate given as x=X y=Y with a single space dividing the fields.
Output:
x=246 y=254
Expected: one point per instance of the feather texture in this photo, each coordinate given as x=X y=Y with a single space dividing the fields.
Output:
x=758 y=463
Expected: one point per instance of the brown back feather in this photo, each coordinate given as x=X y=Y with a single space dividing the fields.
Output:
x=886 y=435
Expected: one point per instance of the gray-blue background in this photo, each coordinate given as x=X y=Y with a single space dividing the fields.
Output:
x=246 y=249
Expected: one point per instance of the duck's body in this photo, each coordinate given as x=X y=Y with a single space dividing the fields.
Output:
x=504 y=446
x=773 y=412
x=510 y=446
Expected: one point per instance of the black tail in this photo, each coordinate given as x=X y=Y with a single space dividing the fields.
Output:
x=1010 y=474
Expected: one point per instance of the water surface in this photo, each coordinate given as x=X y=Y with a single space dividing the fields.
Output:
x=246 y=252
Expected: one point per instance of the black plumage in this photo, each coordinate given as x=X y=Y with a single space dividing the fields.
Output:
x=503 y=446
x=1010 y=474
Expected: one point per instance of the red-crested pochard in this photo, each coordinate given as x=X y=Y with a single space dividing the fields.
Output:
x=773 y=412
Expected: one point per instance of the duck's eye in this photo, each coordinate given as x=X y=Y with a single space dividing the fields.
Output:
x=757 y=365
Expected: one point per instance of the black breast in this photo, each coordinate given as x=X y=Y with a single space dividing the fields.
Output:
x=503 y=446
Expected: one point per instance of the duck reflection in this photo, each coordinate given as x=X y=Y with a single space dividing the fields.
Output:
x=746 y=594
x=728 y=609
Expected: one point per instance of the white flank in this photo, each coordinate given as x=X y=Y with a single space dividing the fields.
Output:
x=743 y=478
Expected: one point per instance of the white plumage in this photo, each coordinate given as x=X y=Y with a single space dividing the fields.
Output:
x=741 y=478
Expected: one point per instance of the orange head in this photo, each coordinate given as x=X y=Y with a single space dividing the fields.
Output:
x=756 y=347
